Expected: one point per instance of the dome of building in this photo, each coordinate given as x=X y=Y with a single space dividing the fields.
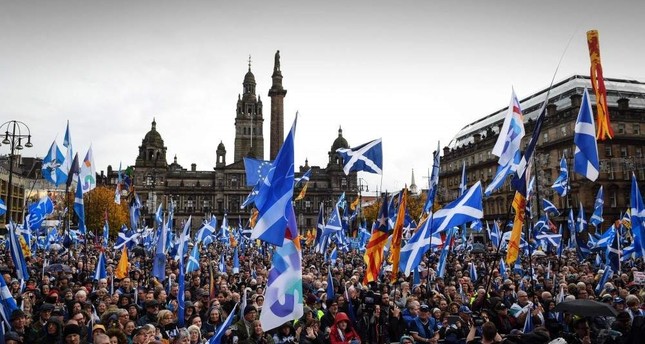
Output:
x=220 y=146
x=340 y=141
x=153 y=138
x=249 y=78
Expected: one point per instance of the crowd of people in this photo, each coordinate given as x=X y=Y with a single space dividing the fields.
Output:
x=62 y=303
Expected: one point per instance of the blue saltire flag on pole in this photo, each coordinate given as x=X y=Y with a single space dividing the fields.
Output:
x=193 y=259
x=603 y=279
x=52 y=162
x=367 y=157
x=468 y=207
x=561 y=184
x=637 y=217
x=330 y=285
x=510 y=136
x=101 y=271
x=549 y=207
x=219 y=332
x=207 y=229
x=8 y=303
x=585 y=158
x=613 y=253
x=16 y=253
x=79 y=207
x=441 y=269
x=433 y=180
x=276 y=193
x=412 y=253
x=596 y=217
x=305 y=178
x=334 y=224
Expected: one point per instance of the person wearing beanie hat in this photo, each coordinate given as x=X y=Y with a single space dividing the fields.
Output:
x=243 y=328
x=72 y=334
x=12 y=337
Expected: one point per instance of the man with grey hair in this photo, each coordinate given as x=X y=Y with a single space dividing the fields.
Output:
x=101 y=338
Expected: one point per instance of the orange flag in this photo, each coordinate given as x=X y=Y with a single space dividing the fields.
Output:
x=604 y=129
x=121 y=270
x=519 y=205
x=397 y=235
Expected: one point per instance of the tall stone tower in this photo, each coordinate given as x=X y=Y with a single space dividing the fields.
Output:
x=249 y=139
x=152 y=152
x=277 y=94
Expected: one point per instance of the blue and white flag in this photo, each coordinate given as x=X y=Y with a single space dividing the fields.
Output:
x=67 y=143
x=274 y=199
x=472 y=272
x=604 y=241
x=510 y=136
x=495 y=235
x=16 y=253
x=433 y=180
x=236 y=262
x=502 y=269
x=256 y=170
x=499 y=179
x=8 y=303
x=101 y=271
x=561 y=184
x=603 y=279
x=528 y=322
x=207 y=229
x=586 y=153
x=3 y=207
x=333 y=256
x=79 y=207
x=637 y=218
x=367 y=157
x=87 y=172
x=126 y=237
x=596 y=217
x=581 y=221
x=462 y=183
x=159 y=215
x=330 y=285
x=614 y=253
x=334 y=223
x=52 y=162
x=135 y=212
x=549 y=207
x=551 y=238
x=441 y=268
x=193 y=260
x=467 y=207
x=305 y=178
x=412 y=253
x=219 y=332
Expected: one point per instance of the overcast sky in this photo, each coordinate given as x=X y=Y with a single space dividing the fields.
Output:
x=411 y=72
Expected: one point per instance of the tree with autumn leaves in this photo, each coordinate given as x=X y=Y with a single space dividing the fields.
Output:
x=415 y=207
x=97 y=202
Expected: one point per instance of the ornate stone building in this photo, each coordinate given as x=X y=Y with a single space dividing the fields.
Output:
x=223 y=189
x=619 y=157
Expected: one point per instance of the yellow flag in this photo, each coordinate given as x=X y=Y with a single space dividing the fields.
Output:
x=302 y=193
x=121 y=270
x=254 y=217
x=604 y=129
x=397 y=235
x=355 y=203
x=519 y=205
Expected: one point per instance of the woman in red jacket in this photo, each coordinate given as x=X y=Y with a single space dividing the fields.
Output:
x=342 y=331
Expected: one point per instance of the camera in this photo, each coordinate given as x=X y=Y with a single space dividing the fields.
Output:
x=371 y=299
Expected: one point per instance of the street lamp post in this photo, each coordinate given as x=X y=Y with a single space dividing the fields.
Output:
x=15 y=131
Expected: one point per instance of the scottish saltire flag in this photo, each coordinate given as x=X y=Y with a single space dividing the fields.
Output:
x=106 y=231
x=305 y=178
x=498 y=179
x=127 y=237
x=613 y=253
x=462 y=183
x=321 y=239
x=219 y=332
x=101 y=271
x=596 y=217
x=275 y=195
x=207 y=229
x=433 y=180
x=502 y=268
x=74 y=170
x=510 y=136
x=585 y=158
x=535 y=137
x=135 y=211
x=581 y=222
x=367 y=157
x=52 y=162
x=8 y=303
x=79 y=207
x=549 y=207
x=66 y=167
x=330 y=285
x=256 y=170
x=333 y=256
x=193 y=260
x=181 y=295
x=604 y=241
x=159 y=215
x=472 y=272
x=283 y=294
x=3 y=207
x=334 y=223
x=551 y=238
x=528 y=322
x=603 y=279
x=16 y=253
x=236 y=262
x=414 y=250
x=495 y=235
x=637 y=217
x=561 y=184
x=87 y=172
x=441 y=269
x=468 y=207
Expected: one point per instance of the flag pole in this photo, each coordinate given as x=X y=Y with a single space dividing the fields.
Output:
x=499 y=246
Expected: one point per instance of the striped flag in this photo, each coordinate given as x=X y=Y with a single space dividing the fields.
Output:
x=586 y=153
x=374 y=250
x=397 y=235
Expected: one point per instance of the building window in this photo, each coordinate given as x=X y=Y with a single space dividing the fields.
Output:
x=343 y=183
x=611 y=174
x=621 y=128
x=563 y=131
x=545 y=137
x=636 y=128
x=639 y=152
x=623 y=152
x=608 y=151
x=612 y=199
